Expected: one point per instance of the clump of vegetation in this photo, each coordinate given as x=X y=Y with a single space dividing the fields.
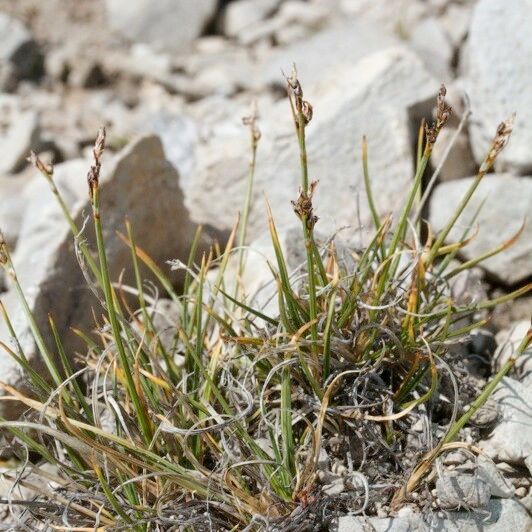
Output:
x=240 y=423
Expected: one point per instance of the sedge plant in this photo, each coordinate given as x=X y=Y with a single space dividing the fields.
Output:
x=236 y=423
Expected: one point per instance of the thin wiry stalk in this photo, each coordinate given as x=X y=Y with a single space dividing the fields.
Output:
x=302 y=115
x=47 y=356
x=488 y=390
x=251 y=122
x=47 y=171
x=367 y=184
x=499 y=142
x=445 y=155
x=94 y=188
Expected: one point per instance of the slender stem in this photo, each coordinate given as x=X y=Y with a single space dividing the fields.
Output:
x=313 y=311
x=437 y=171
x=367 y=183
x=450 y=224
x=39 y=340
x=247 y=207
x=302 y=150
x=286 y=419
x=307 y=230
x=72 y=224
x=401 y=226
x=327 y=337
x=110 y=303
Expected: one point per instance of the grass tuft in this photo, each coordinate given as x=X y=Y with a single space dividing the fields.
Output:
x=241 y=420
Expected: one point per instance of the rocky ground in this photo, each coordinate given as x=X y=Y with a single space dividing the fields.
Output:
x=181 y=74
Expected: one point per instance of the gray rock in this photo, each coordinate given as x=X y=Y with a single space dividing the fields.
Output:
x=167 y=25
x=12 y=206
x=455 y=22
x=505 y=315
x=222 y=76
x=20 y=57
x=468 y=286
x=87 y=73
x=460 y=490
x=295 y=20
x=141 y=184
x=311 y=16
x=482 y=342
x=454 y=458
x=371 y=97
x=218 y=68
x=240 y=15
x=486 y=415
x=328 y=50
x=20 y=136
x=503 y=515
x=396 y=17
x=511 y=439
x=432 y=44
x=179 y=136
x=508 y=201
x=335 y=487
x=508 y=342
x=528 y=463
x=406 y=521
x=57 y=64
x=460 y=161
x=140 y=61
x=291 y=33
x=499 y=74
x=488 y=472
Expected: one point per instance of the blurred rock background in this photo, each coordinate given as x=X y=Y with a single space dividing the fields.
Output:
x=187 y=71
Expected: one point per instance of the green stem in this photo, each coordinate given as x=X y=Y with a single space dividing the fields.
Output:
x=450 y=224
x=488 y=390
x=307 y=231
x=112 y=313
x=401 y=226
x=39 y=340
x=245 y=211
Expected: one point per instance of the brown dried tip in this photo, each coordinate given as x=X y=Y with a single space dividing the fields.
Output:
x=303 y=205
x=502 y=135
x=251 y=122
x=293 y=84
x=93 y=176
x=443 y=113
x=45 y=169
x=3 y=250
x=295 y=91
x=306 y=111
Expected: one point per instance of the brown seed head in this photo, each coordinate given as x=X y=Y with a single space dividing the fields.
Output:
x=295 y=91
x=306 y=111
x=293 y=83
x=501 y=138
x=99 y=144
x=443 y=113
x=251 y=122
x=303 y=206
x=93 y=176
x=3 y=249
x=46 y=169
